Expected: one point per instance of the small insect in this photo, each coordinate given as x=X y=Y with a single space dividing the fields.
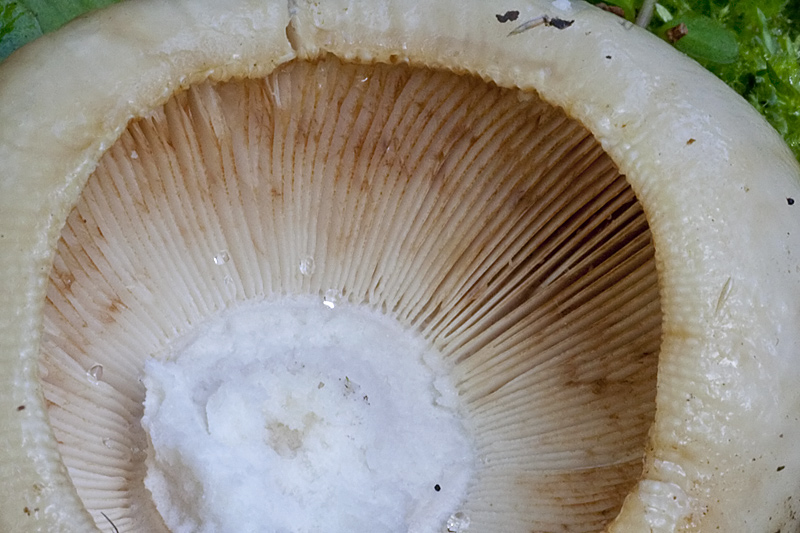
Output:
x=110 y=522
x=545 y=20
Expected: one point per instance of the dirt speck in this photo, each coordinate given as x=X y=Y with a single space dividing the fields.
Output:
x=612 y=9
x=676 y=33
x=508 y=16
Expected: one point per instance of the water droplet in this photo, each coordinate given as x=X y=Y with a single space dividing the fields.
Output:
x=228 y=288
x=222 y=257
x=107 y=442
x=331 y=298
x=365 y=79
x=134 y=154
x=68 y=279
x=307 y=266
x=136 y=454
x=95 y=373
x=458 y=523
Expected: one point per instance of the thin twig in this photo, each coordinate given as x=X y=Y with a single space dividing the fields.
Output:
x=646 y=13
x=538 y=21
x=528 y=24
x=110 y=522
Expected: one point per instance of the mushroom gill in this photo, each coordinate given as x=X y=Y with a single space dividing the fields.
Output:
x=481 y=217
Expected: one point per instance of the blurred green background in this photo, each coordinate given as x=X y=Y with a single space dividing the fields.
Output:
x=752 y=45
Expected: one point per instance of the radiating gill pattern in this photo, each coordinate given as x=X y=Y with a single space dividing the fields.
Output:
x=479 y=216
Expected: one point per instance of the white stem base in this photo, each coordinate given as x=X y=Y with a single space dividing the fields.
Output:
x=295 y=417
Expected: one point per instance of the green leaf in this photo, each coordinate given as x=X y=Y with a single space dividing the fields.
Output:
x=706 y=40
x=663 y=13
x=52 y=14
x=17 y=26
x=767 y=39
x=22 y=21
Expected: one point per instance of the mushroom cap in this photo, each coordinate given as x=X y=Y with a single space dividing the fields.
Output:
x=712 y=178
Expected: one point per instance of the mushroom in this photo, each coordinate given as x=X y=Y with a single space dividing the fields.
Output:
x=594 y=230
